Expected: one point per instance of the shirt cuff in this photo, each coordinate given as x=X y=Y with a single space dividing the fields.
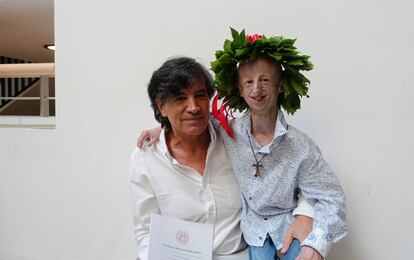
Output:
x=304 y=207
x=319 y=240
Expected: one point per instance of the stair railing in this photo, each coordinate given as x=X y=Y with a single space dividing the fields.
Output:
x=44 y=71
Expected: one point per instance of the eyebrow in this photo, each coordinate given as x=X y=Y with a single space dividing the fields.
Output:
x=201 y=90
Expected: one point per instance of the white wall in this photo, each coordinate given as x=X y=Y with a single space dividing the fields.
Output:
x=64 y=193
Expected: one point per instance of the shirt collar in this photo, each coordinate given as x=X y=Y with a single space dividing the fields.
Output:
x=281 y=128
x=281 y=125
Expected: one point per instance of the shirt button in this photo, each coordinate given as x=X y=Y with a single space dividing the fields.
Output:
x=260 y=238
x=265 y=218
x=250 y=198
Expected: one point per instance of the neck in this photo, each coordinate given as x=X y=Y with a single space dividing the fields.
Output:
x=186 y=142
x=190 y=151
x=263 y=126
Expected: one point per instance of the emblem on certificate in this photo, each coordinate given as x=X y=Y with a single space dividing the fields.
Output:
x=176 y=239
x=182 y=237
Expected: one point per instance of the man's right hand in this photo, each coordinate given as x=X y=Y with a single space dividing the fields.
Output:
x=300 y=229
x=149 y=137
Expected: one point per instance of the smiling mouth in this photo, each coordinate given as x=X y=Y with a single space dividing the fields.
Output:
x=259 y=98
x=193 y=119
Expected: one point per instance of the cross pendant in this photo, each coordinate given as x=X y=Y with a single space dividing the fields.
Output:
x=257 y=165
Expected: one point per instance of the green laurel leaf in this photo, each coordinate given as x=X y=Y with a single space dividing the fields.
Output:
x=281 y=49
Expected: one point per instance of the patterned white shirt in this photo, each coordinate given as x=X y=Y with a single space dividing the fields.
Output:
x=292 y=163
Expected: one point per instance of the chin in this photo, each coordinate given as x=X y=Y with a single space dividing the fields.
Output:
x=194 y=131
x=199 y=131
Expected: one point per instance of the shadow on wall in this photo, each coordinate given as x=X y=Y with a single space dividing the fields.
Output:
x=344 y=248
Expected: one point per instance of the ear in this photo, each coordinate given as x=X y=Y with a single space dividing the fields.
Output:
x=281 y=87
x=161 y=107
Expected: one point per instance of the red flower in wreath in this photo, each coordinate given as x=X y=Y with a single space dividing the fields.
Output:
x=254 y=37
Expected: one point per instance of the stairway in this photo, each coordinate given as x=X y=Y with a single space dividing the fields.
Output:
x=13 y=87
x=26 y=89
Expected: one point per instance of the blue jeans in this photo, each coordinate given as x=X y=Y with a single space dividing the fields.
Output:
x=269 y=252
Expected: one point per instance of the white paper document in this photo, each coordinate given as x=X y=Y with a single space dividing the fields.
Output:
x=176 y=239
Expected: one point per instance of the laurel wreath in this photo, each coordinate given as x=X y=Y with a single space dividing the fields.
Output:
x=246 y=47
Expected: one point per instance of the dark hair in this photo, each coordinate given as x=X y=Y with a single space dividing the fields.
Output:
x=172 y=79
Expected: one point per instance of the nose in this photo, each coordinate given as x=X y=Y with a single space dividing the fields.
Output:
x=192 y=106
x=256 y=89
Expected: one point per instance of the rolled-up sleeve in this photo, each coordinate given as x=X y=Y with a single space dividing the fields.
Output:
x=144 y=203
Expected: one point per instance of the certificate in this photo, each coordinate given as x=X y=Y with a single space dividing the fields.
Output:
x=175 y=239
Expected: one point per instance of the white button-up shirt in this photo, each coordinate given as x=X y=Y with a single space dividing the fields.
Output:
x=161 y=185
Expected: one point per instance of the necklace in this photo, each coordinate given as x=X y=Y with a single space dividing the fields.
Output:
x=257 y=164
